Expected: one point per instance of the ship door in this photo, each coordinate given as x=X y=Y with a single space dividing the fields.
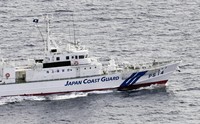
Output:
x=78 y=71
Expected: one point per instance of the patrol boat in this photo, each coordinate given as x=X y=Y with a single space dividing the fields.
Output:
x=71 y=69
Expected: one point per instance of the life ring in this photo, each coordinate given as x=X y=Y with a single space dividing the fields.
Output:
x=76 y=63
x=7 y=75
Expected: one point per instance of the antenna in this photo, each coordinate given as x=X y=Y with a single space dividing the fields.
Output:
x=75 y=43
x=70 y=39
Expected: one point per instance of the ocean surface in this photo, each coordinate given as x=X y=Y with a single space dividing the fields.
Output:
x=137 y=31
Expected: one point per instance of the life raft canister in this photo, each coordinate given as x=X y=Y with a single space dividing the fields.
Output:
x=7 y=75
x=76 y=63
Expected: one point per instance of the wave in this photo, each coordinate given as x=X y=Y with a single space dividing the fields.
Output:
x=17 y=99
x=63 y=10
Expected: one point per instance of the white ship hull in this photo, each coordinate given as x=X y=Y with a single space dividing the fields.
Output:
x=118 y=80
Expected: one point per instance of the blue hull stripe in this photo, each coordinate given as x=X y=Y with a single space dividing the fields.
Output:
x=133 y=79
x=127 y=80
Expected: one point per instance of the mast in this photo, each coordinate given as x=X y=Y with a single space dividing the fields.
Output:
x=47 y=43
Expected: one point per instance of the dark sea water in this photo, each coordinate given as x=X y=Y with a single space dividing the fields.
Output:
x=132 y=30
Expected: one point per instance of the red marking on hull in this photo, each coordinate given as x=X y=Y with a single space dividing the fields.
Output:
x=118 y=88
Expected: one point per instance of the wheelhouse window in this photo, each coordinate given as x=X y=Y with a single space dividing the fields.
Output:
x=53 y=50
x=67 y=57
x=39 y=60
x=81 y=57
x=57 y=58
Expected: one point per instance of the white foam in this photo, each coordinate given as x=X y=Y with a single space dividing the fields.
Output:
x=68 y=96
x=6 y=100
x=101 y=92
x=15 y=99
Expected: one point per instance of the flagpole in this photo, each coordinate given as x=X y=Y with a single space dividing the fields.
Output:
x=36 y=23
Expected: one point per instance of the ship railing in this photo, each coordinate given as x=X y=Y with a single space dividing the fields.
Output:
x=154 y=65
x=94 y=59
x=18 y=64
